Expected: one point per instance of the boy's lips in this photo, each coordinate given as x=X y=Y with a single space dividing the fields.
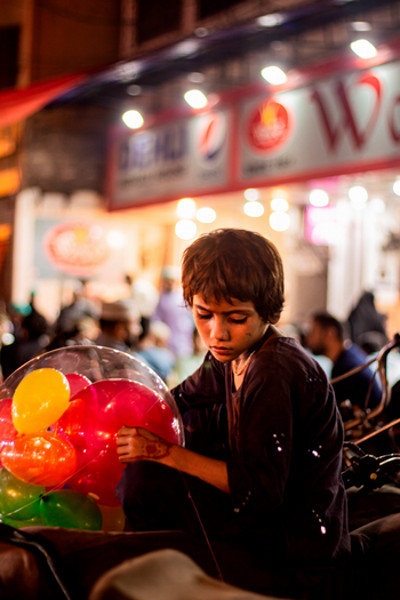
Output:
x=221 y=350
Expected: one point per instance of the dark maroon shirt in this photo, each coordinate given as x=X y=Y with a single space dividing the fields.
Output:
x=281 y=436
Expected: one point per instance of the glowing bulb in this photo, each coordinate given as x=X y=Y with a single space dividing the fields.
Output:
x=279 y=221
x=271 y=20
x=251 y=194
x=363 y=48
x=253 y=209
x=196 y=98
x=318 y=198
x=186 y=208
x=396 y=187
x=185 y=229
x=358 y=196
x=279 y=204
x=132 y=119
x=206 y=215
x=274 y=75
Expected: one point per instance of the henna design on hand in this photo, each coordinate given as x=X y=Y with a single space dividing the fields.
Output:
x=153 y=447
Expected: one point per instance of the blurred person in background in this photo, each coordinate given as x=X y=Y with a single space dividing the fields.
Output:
x=145 y=297
x=31 y=335
x=119 y=326
x=83 y=331
x=367 y=326
x=186 y=365
x=172 y=310
x=81 y=306
x=153 y=348
x=326 y=337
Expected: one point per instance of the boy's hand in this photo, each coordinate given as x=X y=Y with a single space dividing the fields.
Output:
x=136 y=443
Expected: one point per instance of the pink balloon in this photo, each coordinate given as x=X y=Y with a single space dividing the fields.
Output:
x=8 y=433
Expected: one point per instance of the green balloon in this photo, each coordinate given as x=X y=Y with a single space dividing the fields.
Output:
x=18 y=499
x=66 y=508
x=36 y=520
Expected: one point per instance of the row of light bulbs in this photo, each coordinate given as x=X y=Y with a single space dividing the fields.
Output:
x=188 y=213
x=279 y=218
x=273 y=74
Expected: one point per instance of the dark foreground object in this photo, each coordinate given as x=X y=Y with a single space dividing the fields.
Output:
x=43 y=563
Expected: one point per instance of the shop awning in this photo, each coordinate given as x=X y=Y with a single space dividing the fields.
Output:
x=18 y=104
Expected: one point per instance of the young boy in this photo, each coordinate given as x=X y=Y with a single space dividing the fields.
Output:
x=260 y=472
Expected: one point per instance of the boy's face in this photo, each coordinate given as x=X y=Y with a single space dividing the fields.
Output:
x=227 y=329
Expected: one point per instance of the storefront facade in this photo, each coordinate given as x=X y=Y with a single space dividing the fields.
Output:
x=311 y=163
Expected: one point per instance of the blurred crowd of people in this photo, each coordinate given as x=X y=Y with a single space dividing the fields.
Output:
x=154 y=325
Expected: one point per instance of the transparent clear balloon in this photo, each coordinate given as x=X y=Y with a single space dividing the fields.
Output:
x=95 y=363
x=59 y=417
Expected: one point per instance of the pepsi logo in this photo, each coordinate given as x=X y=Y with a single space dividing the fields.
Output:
x=211 y=136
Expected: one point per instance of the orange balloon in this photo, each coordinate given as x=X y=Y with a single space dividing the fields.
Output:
x=39 y=400
x=41 y=459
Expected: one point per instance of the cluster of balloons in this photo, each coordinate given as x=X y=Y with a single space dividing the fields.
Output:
x=59 y=417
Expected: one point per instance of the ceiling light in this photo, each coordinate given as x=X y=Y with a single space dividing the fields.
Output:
x=358 y=196
x=132 y=119
x=279 y=221
x=271 y=20
x=358 y=193
x=185 y=229
x=273 y=75
x=363 y=48
x=396 y=187
x=361 y=26
x=196 y=77
x=134 y=90
x=185 y=48
x=206 y=215
x=251 y=194
x=253 y=209
x=186 y=208
x=196 y=98
x=318 y=198
x=279 y=204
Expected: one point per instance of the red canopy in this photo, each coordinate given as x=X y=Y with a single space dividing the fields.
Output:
x=19 y=103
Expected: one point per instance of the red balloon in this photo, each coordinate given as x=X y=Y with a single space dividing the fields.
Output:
x=91 y=424
x=138 y=406
x=8 y=433
x=99 y=478
x=79 y=426
x=40 y=458
x=76 y=383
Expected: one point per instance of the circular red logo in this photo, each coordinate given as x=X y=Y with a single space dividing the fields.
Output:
x=268 y=126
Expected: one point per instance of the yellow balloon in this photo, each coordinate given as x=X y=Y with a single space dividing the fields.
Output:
x=39 y=400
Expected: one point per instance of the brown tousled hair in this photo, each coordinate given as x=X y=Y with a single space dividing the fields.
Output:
x=228 y=264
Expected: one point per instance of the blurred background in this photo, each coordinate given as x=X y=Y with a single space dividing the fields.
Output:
x=109 y=167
